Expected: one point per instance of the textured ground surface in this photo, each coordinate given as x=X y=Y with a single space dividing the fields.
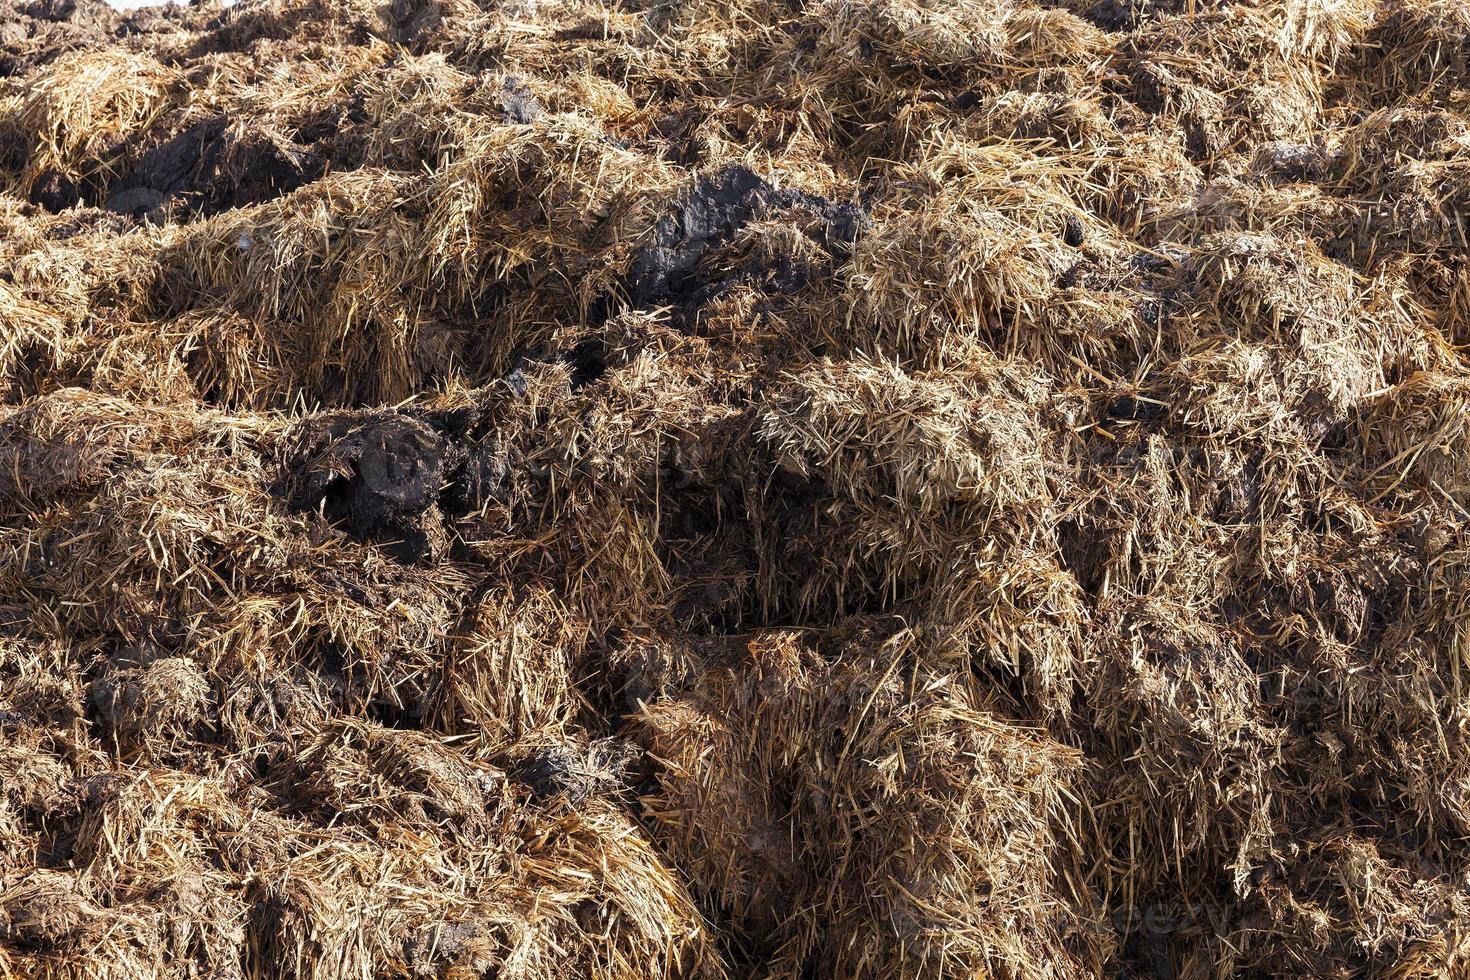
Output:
x=847 y=488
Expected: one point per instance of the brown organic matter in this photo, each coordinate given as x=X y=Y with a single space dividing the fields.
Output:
x=802 y=489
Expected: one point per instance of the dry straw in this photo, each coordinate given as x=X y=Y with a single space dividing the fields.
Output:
x=863 y=488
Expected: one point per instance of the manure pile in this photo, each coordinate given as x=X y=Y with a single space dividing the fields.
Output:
x=735 y=489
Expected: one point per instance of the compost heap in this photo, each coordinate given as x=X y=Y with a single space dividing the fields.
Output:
x=735 y=488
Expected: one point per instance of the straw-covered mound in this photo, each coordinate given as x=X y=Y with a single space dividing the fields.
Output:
x=771 y=488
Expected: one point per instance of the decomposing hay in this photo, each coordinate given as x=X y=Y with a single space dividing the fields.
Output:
x=783 y=773
x=1415 y=50
x=864 y=488
x=77 y=120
